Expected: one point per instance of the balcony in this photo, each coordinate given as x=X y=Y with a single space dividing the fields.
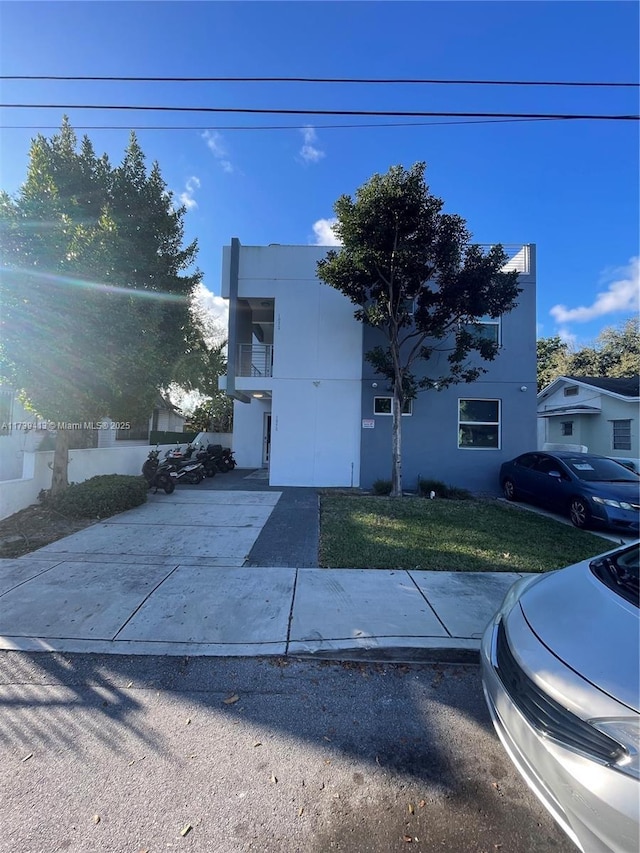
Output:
x=519 y=257
x=254 y=360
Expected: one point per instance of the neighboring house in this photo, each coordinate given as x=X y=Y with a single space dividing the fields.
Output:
x=598 y=413
x=311 y=409
x=23 y=432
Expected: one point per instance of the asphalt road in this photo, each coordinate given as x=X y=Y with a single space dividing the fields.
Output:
x=130 y=754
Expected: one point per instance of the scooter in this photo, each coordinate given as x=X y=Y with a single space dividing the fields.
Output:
x=221 y=457
x=157 y=474
x=180 y=468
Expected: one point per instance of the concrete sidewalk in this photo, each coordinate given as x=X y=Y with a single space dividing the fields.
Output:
x=176 y=576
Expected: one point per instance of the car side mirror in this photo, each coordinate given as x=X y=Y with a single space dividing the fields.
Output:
x=556 y=474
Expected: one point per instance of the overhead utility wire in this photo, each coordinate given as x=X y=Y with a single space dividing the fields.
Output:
x=256 y=111
x=267 y=126
x=357 y=80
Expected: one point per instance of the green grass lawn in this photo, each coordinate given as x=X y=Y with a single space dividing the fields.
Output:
x=474 y=535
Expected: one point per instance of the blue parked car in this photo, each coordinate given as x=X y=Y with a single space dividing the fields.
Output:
x=591 y=489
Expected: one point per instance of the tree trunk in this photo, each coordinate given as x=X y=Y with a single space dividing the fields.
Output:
x=59 y=480
x=396 y=443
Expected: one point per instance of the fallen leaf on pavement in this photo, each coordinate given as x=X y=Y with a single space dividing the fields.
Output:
x=258 y=743
x=407 y=838
x=186 y=830
x=422 y=803
x=188 y=721
x=130 y=684
x=300 y=811
x=411 y=809
x=96 y=818
x=27 y=757
x=231 y=699
x=273 y=779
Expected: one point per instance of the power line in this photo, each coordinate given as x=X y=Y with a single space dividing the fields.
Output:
x=268 y=126
x=265 y=111
x=341 y=80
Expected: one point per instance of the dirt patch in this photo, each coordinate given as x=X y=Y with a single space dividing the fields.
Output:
x=33 y=528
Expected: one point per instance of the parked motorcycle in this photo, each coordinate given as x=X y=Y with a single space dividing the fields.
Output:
x=206 y=460
x=182 y=468
x=222 y=457
x=229 y=459
x=157 y=474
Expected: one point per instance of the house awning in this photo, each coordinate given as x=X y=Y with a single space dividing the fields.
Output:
x=569 y=410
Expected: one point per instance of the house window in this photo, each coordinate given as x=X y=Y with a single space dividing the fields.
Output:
x=571 y=391
x=383 y=406
x=622 y=435
x=479 y=424
x=566 y=428
x=485 y=327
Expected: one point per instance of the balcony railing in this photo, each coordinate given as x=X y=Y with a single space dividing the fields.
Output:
x=518 y=254
x=254 y=360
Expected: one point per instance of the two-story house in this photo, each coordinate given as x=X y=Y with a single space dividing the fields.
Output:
x=311 y=409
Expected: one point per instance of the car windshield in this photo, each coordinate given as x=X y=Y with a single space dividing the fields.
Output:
x=595 y=468
x=620 y=572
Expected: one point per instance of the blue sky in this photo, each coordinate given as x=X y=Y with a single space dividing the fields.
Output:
x=570 y=187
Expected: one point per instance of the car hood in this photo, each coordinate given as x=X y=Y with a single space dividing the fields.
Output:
x=590 y=628
x=629 y=492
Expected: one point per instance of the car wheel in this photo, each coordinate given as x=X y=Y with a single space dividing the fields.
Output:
x=579 y=513
x=509 y=490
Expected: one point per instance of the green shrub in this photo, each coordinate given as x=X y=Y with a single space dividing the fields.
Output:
x=457 y=493
x=381 y=487
x=425 y=487
x=99 y=497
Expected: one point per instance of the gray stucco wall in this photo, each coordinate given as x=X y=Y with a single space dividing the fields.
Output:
x=430 y=434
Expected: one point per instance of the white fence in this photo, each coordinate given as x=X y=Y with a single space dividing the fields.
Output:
x=83 y=464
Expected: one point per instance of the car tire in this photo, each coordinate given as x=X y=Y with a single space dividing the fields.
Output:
x=509 y=490
x=579 y=513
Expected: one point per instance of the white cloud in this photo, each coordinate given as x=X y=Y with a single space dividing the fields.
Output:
x=186 y=197
x=215 y=307
x=325 y=236
x=215 y=144
x=620 y=297
x=568 y=337
x=308 y=152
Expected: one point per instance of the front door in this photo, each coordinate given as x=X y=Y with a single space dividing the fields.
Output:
x=266 y=440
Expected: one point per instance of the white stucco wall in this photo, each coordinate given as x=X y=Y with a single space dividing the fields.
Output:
x=317 y=373
x=248 y=432
x=19 y=493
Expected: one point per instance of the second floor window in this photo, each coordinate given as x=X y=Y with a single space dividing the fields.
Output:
x=486 y=327
x=566 y=428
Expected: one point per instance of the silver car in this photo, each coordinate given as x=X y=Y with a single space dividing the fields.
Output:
x=561 y=676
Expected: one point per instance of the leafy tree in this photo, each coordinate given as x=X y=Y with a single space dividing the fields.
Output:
x=614 y=353
x=214 y=415
x=96 y=303
x=553 y=358
x=416 y=278
x=619 y=349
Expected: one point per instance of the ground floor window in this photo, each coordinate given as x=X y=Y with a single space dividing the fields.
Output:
x=479 y=424
x=384 y=406
x=621 y=435
x=566 y=428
